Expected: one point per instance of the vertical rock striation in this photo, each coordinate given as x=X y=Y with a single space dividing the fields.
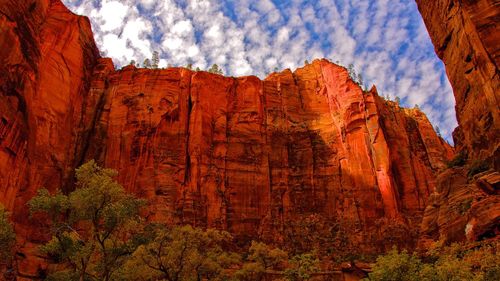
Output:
x=466 y=37
x=241 y=154
x=246 y=155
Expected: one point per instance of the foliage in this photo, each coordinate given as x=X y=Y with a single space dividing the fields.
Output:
x=7 y=236
x=455 y=262
x=459 y=160
x=146 y=63
x=302 y=267
x=93 y=227
x=215 y=69
x=317 y=235
x=155 y=60
x=478 y=166
x=182 y=253
x=396 y=266
x=261 y=257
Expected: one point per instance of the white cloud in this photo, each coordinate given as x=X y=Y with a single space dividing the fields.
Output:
x=385 y=40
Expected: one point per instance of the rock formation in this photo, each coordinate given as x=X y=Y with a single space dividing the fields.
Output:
x=241 y=154
x=466 y=38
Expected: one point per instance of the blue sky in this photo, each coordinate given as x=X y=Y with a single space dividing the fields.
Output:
x=386 y=41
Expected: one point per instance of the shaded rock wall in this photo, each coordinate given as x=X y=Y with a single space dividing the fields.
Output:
x=46 y=63
x=466 y=37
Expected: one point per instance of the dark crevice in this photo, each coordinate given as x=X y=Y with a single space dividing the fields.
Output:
x=445 y=44
x=187 y=173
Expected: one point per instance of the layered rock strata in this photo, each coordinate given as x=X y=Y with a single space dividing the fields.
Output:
x=240 y=154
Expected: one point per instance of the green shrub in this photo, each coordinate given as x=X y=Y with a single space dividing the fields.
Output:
x=458 y=161
x=477 y=167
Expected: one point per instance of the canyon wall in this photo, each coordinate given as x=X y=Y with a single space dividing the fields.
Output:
x=466 y=202
x=240 y=154
x=246 y=155
x=466 y=37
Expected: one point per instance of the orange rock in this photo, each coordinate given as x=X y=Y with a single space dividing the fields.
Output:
x=466 y=37
x=245 y=155
x=239 y=154
x=46 y=62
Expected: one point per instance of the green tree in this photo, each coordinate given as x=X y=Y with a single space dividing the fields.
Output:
x=360 y=80
x=396 y=266
x=302 y=267
x=306 y=62
x=183 y=253
x=261 y=257
x=215 y=69
x=7 y=239
x=189 y=66
x=397 y=100
x=155 y=60
x=132 y=62
x=93 y=228
x=146 y=63
x=438 y=132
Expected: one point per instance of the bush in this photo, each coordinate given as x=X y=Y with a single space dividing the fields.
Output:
x=477 y=167
x=458 y=161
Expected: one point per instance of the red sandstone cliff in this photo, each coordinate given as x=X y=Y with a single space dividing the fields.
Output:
x=466 y=37
x=240 y=154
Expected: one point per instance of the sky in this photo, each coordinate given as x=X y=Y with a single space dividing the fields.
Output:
x=386 y=40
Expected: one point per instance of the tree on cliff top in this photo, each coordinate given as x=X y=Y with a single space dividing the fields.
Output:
x=93 y=228
x=215 y=69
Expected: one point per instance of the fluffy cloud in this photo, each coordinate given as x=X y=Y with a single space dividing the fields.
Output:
x=385 y=40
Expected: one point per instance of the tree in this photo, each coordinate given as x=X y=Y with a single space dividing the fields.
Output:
x=7 y=239
x=397 y=100
x=215 y=69
x=132 y=62
x=302 y=267
x=155 y=60
x=146 y=63
x=183 y=253
x=261 y=258
x=438 y=132
x=417 y=106
x=351 y=71
x=189 y=66
x=360 y=80
x=93 y=228
x=396 y=266
x=306 y=62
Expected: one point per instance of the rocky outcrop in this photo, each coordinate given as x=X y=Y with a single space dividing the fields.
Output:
x=466 y=37
x=246 y=155
x=241 y=154
x=46 y=63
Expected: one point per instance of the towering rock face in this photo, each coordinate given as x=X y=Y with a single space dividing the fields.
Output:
x=240 y=154
x=46 y=63
x=466 y=37
x=245 y=155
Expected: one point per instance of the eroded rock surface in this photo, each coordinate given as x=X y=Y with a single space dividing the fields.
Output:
x=241 y=154
x=466 y=37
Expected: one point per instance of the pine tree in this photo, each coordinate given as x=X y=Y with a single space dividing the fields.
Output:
x=215 y=69
x=155 y=60
x=146 y=63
